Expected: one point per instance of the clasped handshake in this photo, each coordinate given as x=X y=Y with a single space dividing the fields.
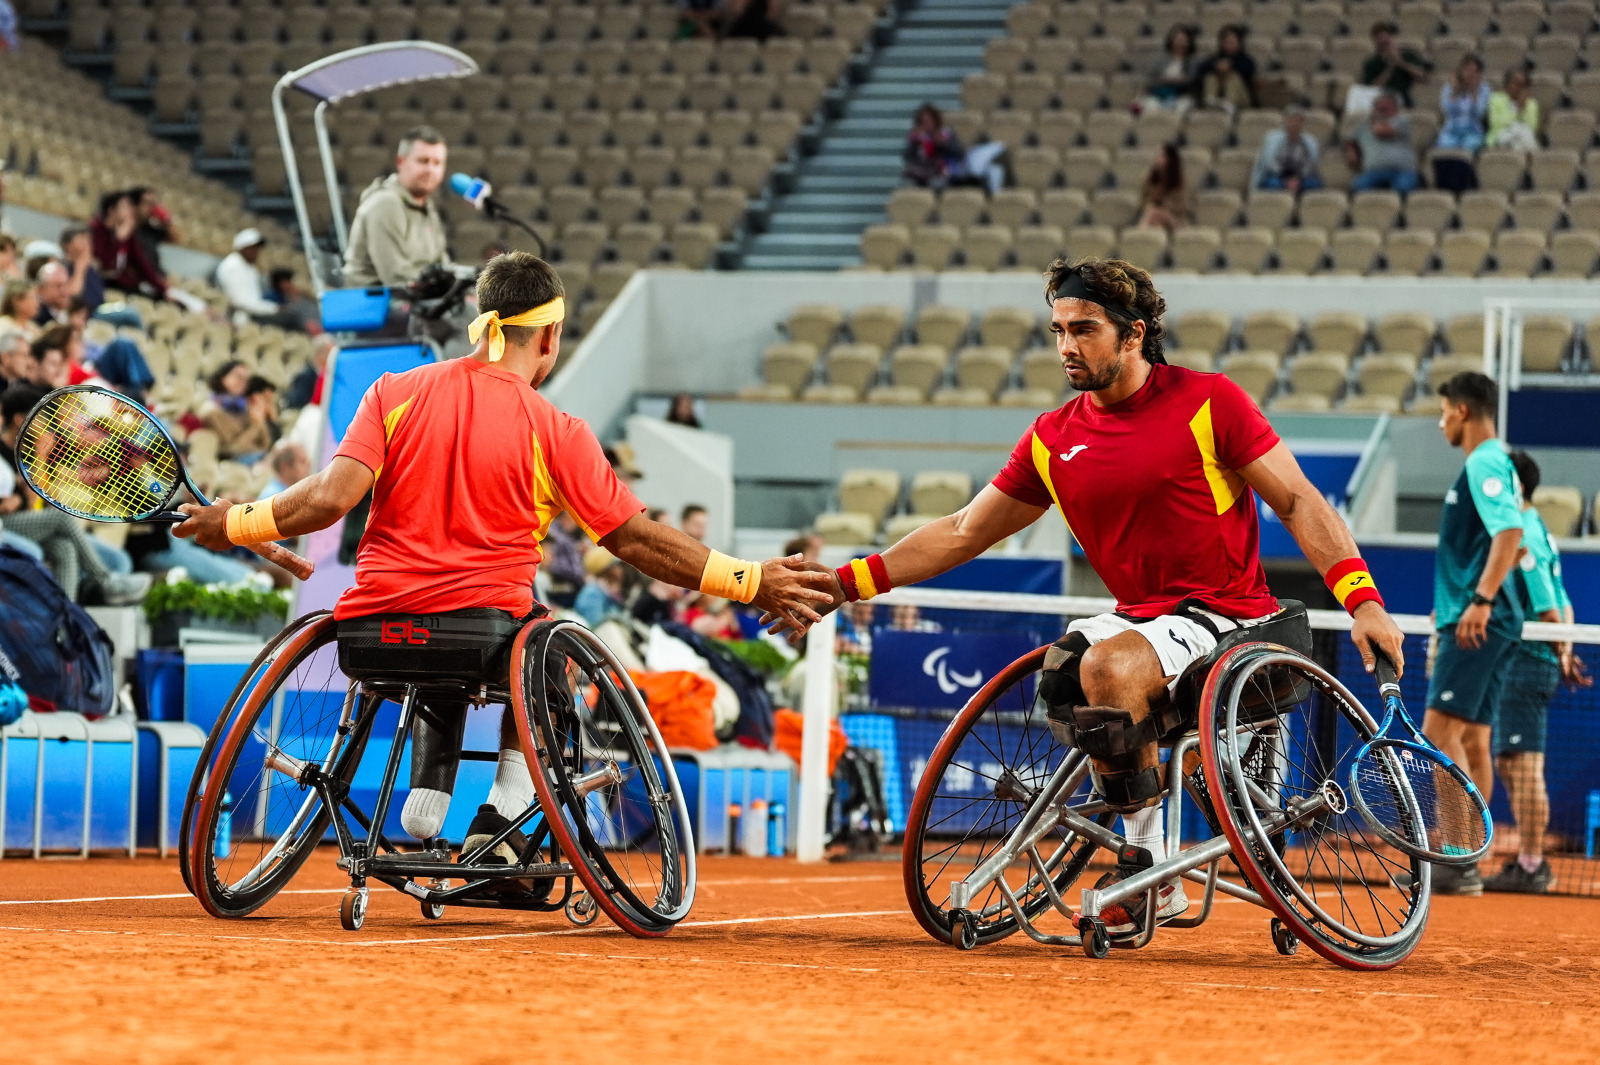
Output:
x=796 y=594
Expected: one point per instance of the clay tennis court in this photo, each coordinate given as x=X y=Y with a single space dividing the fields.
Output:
x=778 y=962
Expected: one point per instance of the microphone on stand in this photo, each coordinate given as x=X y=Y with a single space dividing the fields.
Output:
x=480 y=194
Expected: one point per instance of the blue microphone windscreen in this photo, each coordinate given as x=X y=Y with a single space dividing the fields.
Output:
x=460 y=183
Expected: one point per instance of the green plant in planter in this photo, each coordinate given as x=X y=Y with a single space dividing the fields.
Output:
x=238 y=604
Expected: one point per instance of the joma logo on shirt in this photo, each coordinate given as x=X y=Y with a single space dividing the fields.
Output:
x=402 y=632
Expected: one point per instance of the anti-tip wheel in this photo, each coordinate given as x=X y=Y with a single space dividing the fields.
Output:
x=433 y=911
x=1282 y=938
x=1096 y=940
x=581 y=909
x=353 y=909
x=963 y=929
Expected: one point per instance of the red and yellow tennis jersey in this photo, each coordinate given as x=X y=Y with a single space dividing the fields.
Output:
x=1149 y=488
x=471 y=465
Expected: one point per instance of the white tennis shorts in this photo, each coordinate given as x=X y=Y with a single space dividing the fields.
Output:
x=1178 y=641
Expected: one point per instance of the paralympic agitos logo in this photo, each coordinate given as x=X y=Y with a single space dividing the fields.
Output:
x=949 y=680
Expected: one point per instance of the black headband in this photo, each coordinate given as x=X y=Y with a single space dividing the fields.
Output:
x=1074 y=287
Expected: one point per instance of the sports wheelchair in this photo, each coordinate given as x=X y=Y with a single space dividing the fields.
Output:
x=284 y=760
x=1005 y=819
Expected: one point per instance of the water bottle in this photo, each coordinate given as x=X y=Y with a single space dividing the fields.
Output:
x=778 y=831
x=734 y=819
x=225 y=826
x=753 y=829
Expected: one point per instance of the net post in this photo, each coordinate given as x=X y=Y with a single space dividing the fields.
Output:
x=817 y=709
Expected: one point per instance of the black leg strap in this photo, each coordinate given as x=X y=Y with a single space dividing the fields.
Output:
x=1126 y=792
x=1110 y=731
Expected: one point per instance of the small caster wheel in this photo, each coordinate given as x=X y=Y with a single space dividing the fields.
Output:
x=581 y=909
x=433 y=911
x=963 y=929
x=353 y=909
x=1286 y=941
x=1096 y=940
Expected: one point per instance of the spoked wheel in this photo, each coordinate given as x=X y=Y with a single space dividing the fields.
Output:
x=623 y=821
x=294 y=717
x=1277 y=735
x=984 y=774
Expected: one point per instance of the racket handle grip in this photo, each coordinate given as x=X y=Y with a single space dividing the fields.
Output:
x=279 y=555
x=1384 y=670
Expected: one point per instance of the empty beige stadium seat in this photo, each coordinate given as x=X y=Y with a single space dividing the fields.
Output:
x=1323 y=209
x=985 y=247
x=1300 y=251
x=917 y=366
x=1143 y=246
x=1114 y=207
x=1321 y=373
x=1364 y=403
x=1254 y=371
x=1385 y=374
x=1037 y=246
x=935 y=493
x=962 y=206
x=845 y=529
x=1269 y=208
x=826 y=393
x=854 y=366
x=1013 y=207
x=1192 y=359
x=1203 y=330
x=1341 y=331
x=896 y=395
x=1091 y=241
x=1247 y=248
x=1501 y=170
x=885 y=246
x=1429 y=209
x=1405 y=333
x=1443 y=367
x=1545 y=338
x=1354 y=251
x=1536 y=210
x=1040 y=369
x=1518 y=252
x=1299 y=403
x=933 y=245
x=1583 y=210
x=872 y=492
x=1461 y=252
x=902 y=525
x=956 y=396
x=1553 y=169
x=943 y=325
x=1032 y=398
x=1376 y=209
x=1271 y=331
x=767 y=394
x=1408 y=252
x=910 y=206
x=983 y=368
x=1573 y=253
x=1559 y=506
x=1217 y=208
x=1464 y=335
x=1196 y=248
x=879 y=324
x=1006 y=327
x=789 y=365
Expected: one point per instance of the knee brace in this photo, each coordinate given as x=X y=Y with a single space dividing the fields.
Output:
x=436 y=746
x=1059 y=685
x=1123 y=757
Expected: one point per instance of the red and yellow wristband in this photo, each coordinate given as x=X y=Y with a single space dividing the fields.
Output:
x=863 y=578
x=1351 y=584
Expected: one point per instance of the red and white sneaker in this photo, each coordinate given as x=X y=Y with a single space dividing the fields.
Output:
x=1126 y=918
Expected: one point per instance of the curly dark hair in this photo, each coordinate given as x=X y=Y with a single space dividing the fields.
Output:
x=1118 y=286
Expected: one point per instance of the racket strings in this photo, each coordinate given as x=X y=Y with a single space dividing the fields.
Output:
x=95 y=455
x=1449 y=819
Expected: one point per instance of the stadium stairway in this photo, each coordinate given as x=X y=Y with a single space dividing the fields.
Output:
x=841 y=189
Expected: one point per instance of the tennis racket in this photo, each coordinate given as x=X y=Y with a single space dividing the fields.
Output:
x=1411 y=795
x=97 y=454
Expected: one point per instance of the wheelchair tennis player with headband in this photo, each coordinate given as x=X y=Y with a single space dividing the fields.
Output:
x=468 y=465
x=1155 y=469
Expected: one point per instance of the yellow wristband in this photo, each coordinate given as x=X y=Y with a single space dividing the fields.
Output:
x=730 y=578
x=252 y=523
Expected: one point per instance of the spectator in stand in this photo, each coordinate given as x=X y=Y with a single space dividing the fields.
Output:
x=85 y=283
x=122 y=258
x=1391 y=67
x=297 y=310
x=240 y=411
x=55 y=294
x=71 y=553
x=682 y=411
x=50 y=351
x=1165 y=200
x=563 y=549
x=699 y=18
x=753 y=18
x=8 y=27
x=807 y=545
x=693 y=520
x=1288 y=157
x=1380 y=150
x=306 y=386
x=240 y=280
x=17 y=364
x=11 y=501
x=122 y=366
x=155 y=223
x=290 y=465
x=602 y=595
x=1172 y=74
x=19 y=308
x=10 y=263
x=659 y=514
x=1464 y=99
x=1228 y=79
x=935 y=159
x=1514 y=115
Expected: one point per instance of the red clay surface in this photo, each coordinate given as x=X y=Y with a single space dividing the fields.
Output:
x=778 y=963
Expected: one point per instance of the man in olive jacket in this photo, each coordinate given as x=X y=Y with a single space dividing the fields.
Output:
x=397 y=231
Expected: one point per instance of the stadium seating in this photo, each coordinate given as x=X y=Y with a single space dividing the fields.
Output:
x=1057 y=91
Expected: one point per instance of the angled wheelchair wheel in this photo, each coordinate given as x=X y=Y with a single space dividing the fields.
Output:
x=623 y=822
x=294 y=718
x=1277 y=732
x=980 y=781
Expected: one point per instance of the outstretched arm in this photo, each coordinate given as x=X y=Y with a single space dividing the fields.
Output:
x=314 y=503
x=1326 y=541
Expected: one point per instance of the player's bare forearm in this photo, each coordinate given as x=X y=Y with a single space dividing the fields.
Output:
x=314 y=503
x=945 y=543
x=1502 y=556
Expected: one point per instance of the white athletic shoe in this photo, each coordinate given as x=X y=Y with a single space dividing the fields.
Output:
x=1126 y=918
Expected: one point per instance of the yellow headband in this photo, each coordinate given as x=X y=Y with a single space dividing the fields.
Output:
x=544 y=314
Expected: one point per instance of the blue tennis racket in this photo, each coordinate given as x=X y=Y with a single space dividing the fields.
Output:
x=1411 y=795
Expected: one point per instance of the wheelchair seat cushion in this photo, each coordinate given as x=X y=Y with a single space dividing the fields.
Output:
x=469 y=645
x=1290 y=627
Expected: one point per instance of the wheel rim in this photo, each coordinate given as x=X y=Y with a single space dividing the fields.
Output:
x=967 y=804
x=291 y=716
x=1332 y=879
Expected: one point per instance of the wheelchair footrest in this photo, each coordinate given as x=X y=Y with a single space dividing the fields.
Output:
x=407 y=865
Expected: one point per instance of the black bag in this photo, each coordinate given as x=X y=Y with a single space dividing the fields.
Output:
x=459 y=644
x=858 y=814
x=50 y=646
x=757 y=724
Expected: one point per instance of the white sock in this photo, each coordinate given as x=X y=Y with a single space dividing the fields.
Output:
x=424 y=812
x=1145 y=829
x=512 y=792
